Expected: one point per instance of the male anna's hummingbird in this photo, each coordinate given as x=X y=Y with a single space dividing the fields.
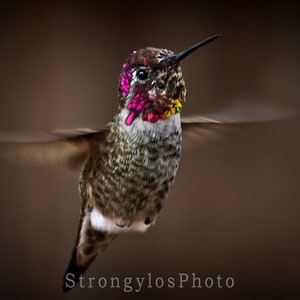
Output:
x=130 y=165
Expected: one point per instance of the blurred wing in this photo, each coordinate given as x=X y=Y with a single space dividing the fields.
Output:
x=198 y=129
x=67 y=148
x=204 y=129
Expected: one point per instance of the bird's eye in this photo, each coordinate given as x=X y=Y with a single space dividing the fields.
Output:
x=142 y=74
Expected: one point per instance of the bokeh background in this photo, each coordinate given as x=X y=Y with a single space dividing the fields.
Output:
x=234 y=209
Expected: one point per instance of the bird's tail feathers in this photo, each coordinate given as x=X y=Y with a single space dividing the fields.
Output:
x=89 y=244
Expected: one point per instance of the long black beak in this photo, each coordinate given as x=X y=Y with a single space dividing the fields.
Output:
x=180 y=56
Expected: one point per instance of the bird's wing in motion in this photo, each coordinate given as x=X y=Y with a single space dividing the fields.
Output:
x=200 y=129
x=69 y=148
x=203 y=129
x=59 y=147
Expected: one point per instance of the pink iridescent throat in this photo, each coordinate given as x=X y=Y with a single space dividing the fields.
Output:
x=153 y=108
x=125 y=81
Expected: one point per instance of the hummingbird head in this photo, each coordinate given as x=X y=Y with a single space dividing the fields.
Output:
x=151 y=83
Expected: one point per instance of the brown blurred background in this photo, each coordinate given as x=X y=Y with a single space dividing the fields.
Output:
x=234 y=209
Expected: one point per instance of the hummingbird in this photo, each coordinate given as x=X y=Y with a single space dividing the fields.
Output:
x=128 y=167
